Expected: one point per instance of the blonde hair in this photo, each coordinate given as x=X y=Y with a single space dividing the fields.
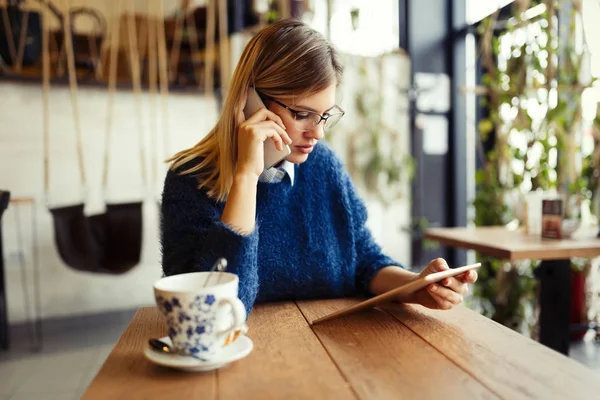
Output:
x=286 y=60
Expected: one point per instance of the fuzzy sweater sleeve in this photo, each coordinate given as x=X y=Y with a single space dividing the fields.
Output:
x=193 y=236
x=369 y=255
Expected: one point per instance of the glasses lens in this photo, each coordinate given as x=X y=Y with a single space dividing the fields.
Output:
x=333 y=120
x=306 y=120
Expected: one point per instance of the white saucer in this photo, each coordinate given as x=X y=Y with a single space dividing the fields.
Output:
x=235 y=351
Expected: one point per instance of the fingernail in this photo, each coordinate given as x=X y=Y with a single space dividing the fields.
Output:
x=433 y=288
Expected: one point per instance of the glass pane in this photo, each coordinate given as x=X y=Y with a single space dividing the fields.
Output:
x=479 y=9
x=370 y=31
x=591 y=29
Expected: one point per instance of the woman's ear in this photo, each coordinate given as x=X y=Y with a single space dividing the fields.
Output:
x=266 y=101
x=241 y=105
x=244 y=98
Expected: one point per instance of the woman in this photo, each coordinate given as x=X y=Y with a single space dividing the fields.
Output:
x=294 y=231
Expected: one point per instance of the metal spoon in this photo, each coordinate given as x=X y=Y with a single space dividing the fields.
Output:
x=220 y=265
x=162 y=347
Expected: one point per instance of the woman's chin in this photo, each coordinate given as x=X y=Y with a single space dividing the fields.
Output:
x=297 y=157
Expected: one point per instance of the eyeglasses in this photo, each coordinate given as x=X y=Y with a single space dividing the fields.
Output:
x=306 y=121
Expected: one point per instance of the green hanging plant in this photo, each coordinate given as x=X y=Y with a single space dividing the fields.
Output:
x=534 y=107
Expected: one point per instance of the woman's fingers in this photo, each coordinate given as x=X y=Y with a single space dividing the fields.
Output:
x=468 y=277
x=441 y=302
x=449 y=291
x=268 y=124
x=282 y=132
x=267 y=129
x=455 y=285
x=437 y=265
x=275 y=118
x=444 y=297
x=265 y=115
x=276 y=137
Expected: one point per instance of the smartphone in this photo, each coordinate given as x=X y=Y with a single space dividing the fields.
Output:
x=271 y=153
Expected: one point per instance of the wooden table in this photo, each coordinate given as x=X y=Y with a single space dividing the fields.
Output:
x=554 y=271
x=398 y=352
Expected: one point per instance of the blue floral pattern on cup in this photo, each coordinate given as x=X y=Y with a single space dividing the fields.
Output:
x=203 y=303
x=190 y=325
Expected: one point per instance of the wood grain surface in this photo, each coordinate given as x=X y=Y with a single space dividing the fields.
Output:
x=287 y=362
x=516 y=245
x=391 y=352
x=126 y=374
x=383 y=359
x=511 y=365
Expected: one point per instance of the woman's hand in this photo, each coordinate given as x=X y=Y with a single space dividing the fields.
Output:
x=240 y=208
x=447 y=293
x=262 y=125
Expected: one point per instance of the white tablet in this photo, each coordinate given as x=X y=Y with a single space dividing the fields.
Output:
x=401 y=293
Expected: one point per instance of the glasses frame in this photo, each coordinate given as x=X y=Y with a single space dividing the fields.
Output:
x=324 y=117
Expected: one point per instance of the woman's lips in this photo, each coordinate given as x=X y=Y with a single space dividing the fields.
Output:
x=306 y=149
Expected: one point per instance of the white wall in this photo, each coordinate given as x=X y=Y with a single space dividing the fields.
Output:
x=67 y=292
x=64 y=291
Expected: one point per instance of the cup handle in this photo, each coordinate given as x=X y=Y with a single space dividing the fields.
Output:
x=239 y=320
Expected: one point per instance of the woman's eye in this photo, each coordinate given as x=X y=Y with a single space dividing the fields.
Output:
x=302 y=115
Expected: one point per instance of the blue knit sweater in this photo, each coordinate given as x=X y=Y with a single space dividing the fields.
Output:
x=310 y=239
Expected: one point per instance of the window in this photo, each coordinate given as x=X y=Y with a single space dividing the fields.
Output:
x=479 y=9
x=374 y=30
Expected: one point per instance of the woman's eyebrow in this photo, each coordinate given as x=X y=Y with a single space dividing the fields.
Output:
x=313 y=110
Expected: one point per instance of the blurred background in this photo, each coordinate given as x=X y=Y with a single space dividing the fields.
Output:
x=455 y=111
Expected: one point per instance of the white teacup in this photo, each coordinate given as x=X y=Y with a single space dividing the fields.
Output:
x=202 y=320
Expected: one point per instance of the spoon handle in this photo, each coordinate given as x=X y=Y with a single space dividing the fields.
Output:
x=220 y=265
x=162 y=347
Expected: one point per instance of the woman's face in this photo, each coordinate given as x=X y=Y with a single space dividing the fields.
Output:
x=304 y=142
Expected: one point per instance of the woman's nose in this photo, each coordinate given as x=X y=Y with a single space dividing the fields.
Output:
x=318 y=132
